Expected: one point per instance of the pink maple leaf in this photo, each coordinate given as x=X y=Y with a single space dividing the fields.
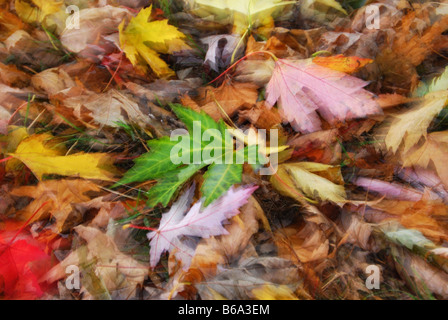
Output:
x=303 y=88
x=197 y=222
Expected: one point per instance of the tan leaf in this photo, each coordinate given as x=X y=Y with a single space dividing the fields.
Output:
x=435 y=151
x=54 y=198
x=119 y=272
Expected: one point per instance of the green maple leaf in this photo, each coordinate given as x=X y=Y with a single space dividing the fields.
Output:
x=220 y=176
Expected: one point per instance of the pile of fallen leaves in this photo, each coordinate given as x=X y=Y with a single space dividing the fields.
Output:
x=90 y=103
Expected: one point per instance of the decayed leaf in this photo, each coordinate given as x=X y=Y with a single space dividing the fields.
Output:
x=52 y=80
x=142 y=40
x=301 y=88
x=197 y=222
x=11 y=76
x=315 y=180
x=109 y=108
x=251 y=274
x=40 y=155
x=117 y=272
x=302 y=245
x=409 y=127
x=55 y=198
x=260 y=116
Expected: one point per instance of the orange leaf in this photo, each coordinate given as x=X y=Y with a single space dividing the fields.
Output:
x=341 y=63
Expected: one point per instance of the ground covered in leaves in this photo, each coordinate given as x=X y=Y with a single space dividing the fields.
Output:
x=336 y=188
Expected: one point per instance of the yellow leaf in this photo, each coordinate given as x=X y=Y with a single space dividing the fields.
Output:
x=315 y=180
x=242 y=13
x=42 y=156
x=272 y=292
x=9 y=23
x=341 y=63
x=37 y=10
x=411 y=125
x=142 y=40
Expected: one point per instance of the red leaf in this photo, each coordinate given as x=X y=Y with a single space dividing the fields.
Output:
x=21 y=265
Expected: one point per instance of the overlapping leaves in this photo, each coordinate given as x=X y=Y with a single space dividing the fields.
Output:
x=224 y=167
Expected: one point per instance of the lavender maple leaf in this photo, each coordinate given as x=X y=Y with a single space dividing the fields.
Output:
x=197 y=222
x=302 y=88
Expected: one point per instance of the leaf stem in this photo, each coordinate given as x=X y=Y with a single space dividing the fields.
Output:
x=240 y=60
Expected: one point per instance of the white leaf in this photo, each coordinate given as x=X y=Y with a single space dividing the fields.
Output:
x=198 y=222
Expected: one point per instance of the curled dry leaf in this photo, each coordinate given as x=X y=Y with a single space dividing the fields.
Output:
x=94 y=25
x=302 y=245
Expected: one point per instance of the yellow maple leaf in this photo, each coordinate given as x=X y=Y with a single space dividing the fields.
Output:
x=37 y=10
x=42 y=156
x=142 y=40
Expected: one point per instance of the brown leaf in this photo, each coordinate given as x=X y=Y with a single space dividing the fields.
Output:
x=226 y=99
x=54 y=198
